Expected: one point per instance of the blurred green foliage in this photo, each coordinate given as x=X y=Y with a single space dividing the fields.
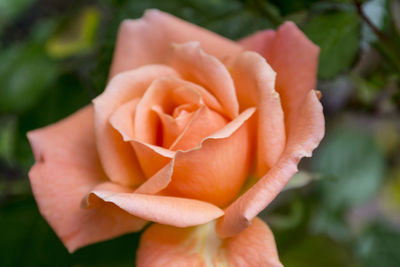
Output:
x=353 y=177
x=342 y=209
x=28 y=241
x=337 y=35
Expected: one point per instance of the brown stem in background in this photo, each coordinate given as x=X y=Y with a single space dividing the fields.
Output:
x=395 y=10
x=360 y=11
x=385 y=46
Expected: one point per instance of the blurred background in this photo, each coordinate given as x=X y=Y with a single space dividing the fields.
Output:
x=341 y=209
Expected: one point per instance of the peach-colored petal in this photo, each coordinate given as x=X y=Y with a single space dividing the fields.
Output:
x=295 y=60
x=204 y=122
x=66 y=168
x=196 y=66
x=304 y=137
x=173 y=127
x=259 y=42
x=88 y=202
x=147 y=41
x=162 y=94
x=151 y=158
x=180 y=212
x=255 y=81
x=159 y=163
x=162 y=245
x=216 y=169
x=117 y=157
x=123 y=119
x=158 y=181
x=255 y=246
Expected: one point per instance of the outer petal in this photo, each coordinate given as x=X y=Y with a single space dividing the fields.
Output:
x=255 y=85
x=163 y=245
x=67 y=167
x=304 y=137
x=180 y=212
x=196 y=66
x=295 y=59
x=117 y=157
x=259 y=42
x=147 y=41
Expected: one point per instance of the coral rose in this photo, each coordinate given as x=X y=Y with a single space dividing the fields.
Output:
x=186 y=118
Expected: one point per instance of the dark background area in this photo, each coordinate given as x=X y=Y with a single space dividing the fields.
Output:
x=341 y=209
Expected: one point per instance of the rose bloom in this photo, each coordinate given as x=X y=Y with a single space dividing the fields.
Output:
x=186 y=118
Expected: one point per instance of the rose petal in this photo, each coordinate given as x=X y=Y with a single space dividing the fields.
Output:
x=162 y=245
x=117 y=157
x=196 y=66
x=90 y=202
x=295 y=60
x=156 y=163
x=173 y=127
x=123 y=119
x=304 y=137
x=158 y=181
x=161 y=94
x=180 y=212
x=215 y=170
x=255 y=81
x=147 y=41
x=204 y=123
x=167 y=93
x=67 y=167
x=259 y=42
x=151 y=158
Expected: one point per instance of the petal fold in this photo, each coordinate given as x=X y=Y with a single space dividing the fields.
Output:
x=180 y=212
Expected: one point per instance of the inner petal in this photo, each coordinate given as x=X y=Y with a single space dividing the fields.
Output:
x=163 y=96
x=203 y=123
x=173 y=126
x=122 y=119
x=176 y=114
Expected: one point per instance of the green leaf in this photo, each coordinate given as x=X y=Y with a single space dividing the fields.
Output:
x=289 y=220
x=66 y=96
x=77 y=36
x=366 y=90
x=11 y=9
x=337 y=34
x=379 y=246
x=27 y=240
x=7 y=138
x=290 y=6
x=315 y=251
x=25 y=74
x=300 y=179
x=354 y=166
x=389 y=198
